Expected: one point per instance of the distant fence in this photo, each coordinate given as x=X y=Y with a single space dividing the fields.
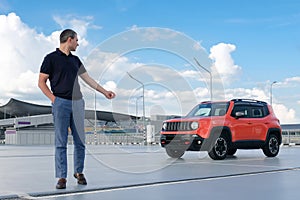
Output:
x=30 y=137
x=117 y=139
x=291 y=137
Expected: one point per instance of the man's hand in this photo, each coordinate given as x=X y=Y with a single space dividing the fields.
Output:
x=110 y=94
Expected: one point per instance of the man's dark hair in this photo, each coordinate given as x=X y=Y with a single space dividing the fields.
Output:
x=66 y=34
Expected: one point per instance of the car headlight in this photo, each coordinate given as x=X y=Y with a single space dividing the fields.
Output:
x=164 y=126
x=194 y=125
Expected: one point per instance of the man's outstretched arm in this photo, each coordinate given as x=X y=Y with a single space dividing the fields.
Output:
x=93 y=84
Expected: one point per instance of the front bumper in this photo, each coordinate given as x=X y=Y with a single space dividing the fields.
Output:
x=187 y=141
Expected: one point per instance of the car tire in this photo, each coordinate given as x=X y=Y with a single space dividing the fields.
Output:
x=271 y=148
x=231 y=151
x=220 y=149
x=174 y=153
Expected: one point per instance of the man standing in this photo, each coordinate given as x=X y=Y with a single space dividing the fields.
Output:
x=62 y=68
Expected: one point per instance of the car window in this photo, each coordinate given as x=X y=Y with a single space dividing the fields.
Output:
x=209 y=109
x=266 y=110
x=242 y=109
x=202 y=112
x=257 y=112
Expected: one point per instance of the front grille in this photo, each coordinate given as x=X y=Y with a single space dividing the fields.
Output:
x=178 y=126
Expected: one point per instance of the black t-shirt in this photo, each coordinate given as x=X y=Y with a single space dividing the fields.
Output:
x=63 y=74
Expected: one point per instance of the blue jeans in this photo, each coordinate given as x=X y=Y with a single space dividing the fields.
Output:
x=68 y=114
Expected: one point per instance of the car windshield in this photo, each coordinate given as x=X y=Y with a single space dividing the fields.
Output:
x=209 y=109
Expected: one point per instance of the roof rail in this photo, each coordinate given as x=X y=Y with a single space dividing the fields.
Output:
x=206 y=102
x=248 y=100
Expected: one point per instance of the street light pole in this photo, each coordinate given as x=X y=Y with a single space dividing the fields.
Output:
x=271 y=88
x=210 y=84
x=143 y=86
x=136 y=112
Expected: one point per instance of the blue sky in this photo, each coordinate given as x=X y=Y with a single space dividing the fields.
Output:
x=261 y=43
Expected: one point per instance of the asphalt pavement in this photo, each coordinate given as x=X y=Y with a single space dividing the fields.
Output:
x=146 y=172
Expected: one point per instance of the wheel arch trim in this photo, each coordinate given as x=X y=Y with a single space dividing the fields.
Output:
x=276 y=132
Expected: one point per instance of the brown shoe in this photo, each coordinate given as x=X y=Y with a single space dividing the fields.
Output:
x=61 y=184
x=80 y=179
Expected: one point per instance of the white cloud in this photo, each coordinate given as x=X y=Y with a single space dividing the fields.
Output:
x=80 y=24
x=190 y=74
x=153 y=34
x=133 y=27
x=22 y=51
x=223 y=61
x=253 y=93
x=289 y=82
x=202 y=93
x=110 y=85
x=293 y=79
x=284 y=114
x=106 y=66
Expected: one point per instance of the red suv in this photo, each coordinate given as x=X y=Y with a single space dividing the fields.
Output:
x=223 y=127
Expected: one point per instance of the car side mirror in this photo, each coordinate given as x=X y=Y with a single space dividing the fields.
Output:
x=239 y=114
